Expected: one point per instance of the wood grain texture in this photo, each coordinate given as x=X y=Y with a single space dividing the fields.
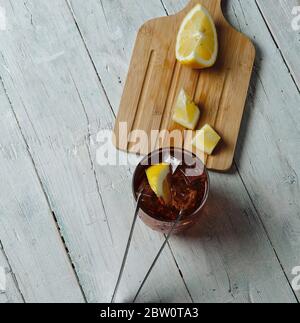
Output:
x=60 y=107
x=154 y=81
x=287 y=39
x=234 y=233
x=38 y=263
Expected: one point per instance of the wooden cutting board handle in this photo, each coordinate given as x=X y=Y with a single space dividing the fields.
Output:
x=214 y=6
x=211 y=5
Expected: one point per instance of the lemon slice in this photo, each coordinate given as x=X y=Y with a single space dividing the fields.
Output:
x=206 y=139
x=186 y=112
x=157 y=178
x=197 y=40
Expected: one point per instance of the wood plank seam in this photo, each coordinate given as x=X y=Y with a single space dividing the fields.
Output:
x=267 y=233
x=41 y=186
x=12 y=272
x=88 y=121
x=69 y=256
x=164 y=6
x=87 y=143
x=69 y=5
x=180 y=272
x=277 y=46
x=108 y=100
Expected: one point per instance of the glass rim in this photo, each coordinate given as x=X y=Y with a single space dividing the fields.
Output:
x=184 y=151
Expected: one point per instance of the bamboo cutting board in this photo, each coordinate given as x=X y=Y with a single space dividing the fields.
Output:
x=155 y=79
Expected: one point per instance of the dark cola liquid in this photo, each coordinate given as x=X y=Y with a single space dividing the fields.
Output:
x=188 y=190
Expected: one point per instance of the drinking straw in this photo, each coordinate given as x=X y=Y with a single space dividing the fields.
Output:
x=158 y=255
x=128 y=247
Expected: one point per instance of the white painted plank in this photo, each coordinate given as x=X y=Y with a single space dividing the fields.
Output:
x=9 y=292
x=60 y=106
x=258 y=251
x=283 y=19
x=27 y=230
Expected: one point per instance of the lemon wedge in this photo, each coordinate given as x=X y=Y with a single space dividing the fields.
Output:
x=206 y=139
x=197 y=40
x=157 y=178
x=186 y=112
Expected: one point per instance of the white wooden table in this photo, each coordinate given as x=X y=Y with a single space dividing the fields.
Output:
x=64 y=220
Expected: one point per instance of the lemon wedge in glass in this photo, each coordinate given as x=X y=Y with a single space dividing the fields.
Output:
x=157 y=178
x=186 y=113
x=197 y=40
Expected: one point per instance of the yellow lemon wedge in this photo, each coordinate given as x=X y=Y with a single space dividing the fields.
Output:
x=197 y=40
x=157 y=178
x=186 y=112
x=206 y=139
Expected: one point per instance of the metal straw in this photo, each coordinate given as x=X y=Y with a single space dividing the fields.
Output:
x=128 y=247
x=158 y=255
